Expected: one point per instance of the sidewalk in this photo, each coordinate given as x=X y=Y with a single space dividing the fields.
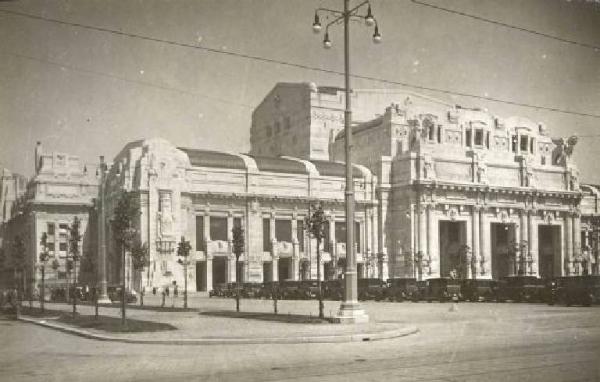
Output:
x=213 y=321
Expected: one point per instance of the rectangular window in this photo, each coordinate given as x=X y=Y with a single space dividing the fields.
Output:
x=62 y=246
x=439 y=134
x=267 y=235
x=50 y=229
x=357 y=236
x=543 y=160
x=300 y=234
x=218 y=228
x=524 y=143
x=478 y=137
x=340 y=232
x=468 y=137
x=237 y=222
x=200 y=239
x=283 y=230
x=51 y=247
x=326 y=237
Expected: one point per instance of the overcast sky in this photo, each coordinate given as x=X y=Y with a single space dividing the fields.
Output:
x=88 y=92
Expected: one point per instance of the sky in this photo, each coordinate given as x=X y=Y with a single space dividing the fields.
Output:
x=89 y=92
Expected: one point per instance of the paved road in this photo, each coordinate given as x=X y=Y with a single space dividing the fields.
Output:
x=479 y=342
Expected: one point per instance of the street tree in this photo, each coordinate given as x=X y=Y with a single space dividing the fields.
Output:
x=183 y=251
x=44 y=257
x=238 y=249
x=88 y=266
x=315 y=224
x=18 y=262
x=125 y=213
x=74 y=241
x=139 y=260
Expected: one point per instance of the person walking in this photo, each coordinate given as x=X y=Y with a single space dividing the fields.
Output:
x=163 y=294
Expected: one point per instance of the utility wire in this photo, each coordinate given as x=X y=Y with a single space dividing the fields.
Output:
x=297 y=65
x=490 y=21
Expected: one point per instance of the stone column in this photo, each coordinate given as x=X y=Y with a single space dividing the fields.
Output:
x=485 y=260
x=209 y=273
x=533 y=245
x=577 y=241
x=423 y=235
x=475 y=250
x=432 y=241
x=522 y=269
x=568 y=265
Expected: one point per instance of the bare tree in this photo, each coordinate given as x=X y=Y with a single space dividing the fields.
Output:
x=44 y=257
x=238 y=249
x=139 y=260
x=315 y=226
x=74 y=240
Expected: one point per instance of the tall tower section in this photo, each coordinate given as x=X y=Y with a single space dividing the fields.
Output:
x=297 y=119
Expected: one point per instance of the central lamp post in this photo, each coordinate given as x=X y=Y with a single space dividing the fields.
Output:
x=350 y=310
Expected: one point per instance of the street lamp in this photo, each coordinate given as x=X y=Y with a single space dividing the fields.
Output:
x=350 y=310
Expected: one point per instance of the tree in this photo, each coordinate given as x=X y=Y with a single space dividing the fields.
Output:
x=315 y=226
x=88 y=265
x=126 y=210
x=183 y=251
x=18 y=259
x=74 y=240
x=44 y=257
x=238 y=249
x=139 y=260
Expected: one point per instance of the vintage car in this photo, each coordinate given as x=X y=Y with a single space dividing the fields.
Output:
x=401 y=289
x=251 y=290
x=521 y=288
x=371 y=289
x=270 y=290
x=476 y=290
x=309 y=289
x=115 y=294
x=442 y=289
x=333 y=289
x=290 y=289
x=219 y=290
x=58 y=295
x=576 y=290
x=232 y=290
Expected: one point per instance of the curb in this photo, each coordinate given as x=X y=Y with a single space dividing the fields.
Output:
x=357 y=337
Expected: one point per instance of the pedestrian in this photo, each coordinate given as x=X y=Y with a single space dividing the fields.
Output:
x=163 y=297
x=167 y=291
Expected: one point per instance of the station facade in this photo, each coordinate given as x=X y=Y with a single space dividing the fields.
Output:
x=441 y=190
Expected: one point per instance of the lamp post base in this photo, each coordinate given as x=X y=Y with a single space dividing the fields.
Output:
x=351 y=313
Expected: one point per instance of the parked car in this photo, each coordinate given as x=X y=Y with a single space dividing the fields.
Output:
x=269 y=290
x=58 y=295
x=333 y=289
x=576 y=290
x=476 y=290
x=219 y=290
x=231 y=290
x=290 y=289
x=521 y=288
x=371 y=289
x=309 y=289
x=401 y=289
x=251 y=290
x=115 y=293
x=441 y=289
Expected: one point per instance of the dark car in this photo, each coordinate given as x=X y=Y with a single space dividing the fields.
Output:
x=232 y=290
x=269 y=290
x=521 y=288
x=219 y=290
x=576 y=290
x=58 y=295
x=371 y=289
x=401 y=289
x=333 y=289
x=476 y=290
x=442 y=289
x=115 y=293
x=251 y=290
x=309 y=289
x=290 y=289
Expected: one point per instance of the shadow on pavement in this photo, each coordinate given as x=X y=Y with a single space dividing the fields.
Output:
x=152 y=308
x=104 y=323
x=287 y=318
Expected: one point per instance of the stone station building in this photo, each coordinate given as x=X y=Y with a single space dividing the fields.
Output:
x=440 y=190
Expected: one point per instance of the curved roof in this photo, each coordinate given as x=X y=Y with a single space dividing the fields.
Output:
x=208 y=158
x=282 y=165
x=327 y=168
